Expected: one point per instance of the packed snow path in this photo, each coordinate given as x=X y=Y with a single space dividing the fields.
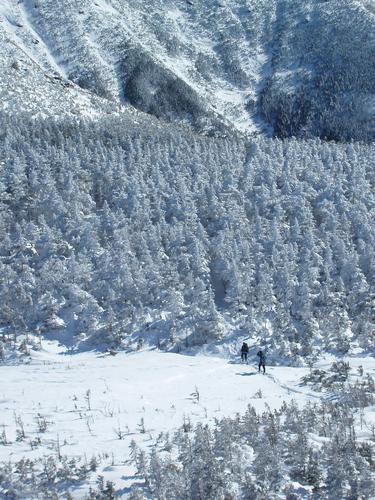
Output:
x=88 y=399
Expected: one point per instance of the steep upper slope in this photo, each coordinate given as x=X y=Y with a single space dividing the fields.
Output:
x=30 y=83
x=279 y=66
x=323 y=65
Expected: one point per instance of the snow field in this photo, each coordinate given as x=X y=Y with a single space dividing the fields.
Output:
x=91 y=404
x=89 y=401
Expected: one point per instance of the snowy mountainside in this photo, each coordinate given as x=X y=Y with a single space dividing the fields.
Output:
x=32 y=82
x=279 y=66
x=149 y=226
x=143 y=53
x=28 y=84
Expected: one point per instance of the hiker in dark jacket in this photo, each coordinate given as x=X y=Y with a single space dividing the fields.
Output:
x=244 y=352
x=262 y=360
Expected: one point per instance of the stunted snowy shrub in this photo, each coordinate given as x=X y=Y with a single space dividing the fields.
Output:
x=261 y=456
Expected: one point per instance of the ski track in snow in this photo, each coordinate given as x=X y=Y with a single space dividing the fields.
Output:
x=293 y=390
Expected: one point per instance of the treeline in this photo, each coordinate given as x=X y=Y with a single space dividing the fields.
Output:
x=114 y=229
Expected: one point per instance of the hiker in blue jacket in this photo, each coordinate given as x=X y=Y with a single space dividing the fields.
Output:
x=262 y=360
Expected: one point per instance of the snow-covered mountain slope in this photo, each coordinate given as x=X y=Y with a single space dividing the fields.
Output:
x=30 y=84
x=291 y=68
x=33 y=82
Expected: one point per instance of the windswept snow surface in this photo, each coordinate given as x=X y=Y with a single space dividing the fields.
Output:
x=124 y=389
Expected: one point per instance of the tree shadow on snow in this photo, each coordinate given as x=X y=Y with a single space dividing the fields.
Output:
x=129 y=489
x=247 y=374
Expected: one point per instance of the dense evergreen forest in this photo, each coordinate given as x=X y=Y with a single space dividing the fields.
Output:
x=112 y=231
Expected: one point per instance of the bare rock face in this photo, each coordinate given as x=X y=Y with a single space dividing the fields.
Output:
x=279 y=67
